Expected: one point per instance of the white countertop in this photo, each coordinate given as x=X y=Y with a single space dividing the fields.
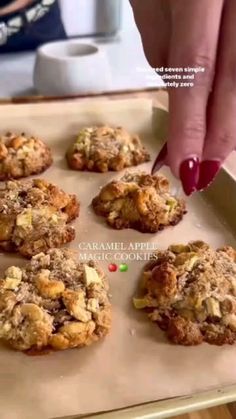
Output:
x=128 y=66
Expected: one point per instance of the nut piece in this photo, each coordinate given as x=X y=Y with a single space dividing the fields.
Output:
x=13 y=278
x=32 y=311
x=140 y=303
x=24 y=219
x=59 y=342
x=230 y=320
x=73 y=334
x=11 y=283
x=48 y=288
x=179 y=248
x=186 y=259
x=14 y=272
x=72 y=329
x=3 y=152
x=35 y=330
x=93 y=305
x=91 y=276
x=171 y=203
x=75 y=304
x=17 y=142
x=213 y=307
x=7 y=301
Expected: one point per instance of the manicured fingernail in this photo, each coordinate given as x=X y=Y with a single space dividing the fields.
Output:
x=189 y=171
x=160 y=160
x=208 y=171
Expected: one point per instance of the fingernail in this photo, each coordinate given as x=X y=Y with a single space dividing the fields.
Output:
x=189 y=171
x=160 y=160
x=208 y=171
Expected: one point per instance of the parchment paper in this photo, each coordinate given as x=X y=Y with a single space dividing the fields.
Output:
x=135 y=363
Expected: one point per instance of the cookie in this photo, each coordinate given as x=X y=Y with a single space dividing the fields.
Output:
x=54 y=301
x=100 y=149
x=22 y=156
x=139 y=201
x=190 y=292
x=34 y=216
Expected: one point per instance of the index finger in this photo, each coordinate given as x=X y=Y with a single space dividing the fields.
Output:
x=195 y=31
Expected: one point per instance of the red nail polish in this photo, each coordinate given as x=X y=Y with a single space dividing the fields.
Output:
x=208 y=171
x=189 y=171
x=160 y=160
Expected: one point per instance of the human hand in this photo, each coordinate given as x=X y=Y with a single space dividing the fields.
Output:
x=202 y=121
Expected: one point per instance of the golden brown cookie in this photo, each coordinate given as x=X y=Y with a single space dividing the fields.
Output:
x=190 y=292
x=22 y=156
x=34 y=216
x=139 y=201
x=54 y=301
x=101 y=149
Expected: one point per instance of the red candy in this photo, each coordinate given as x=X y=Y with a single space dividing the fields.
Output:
x=112 y=267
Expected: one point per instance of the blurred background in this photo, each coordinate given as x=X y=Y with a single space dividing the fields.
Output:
x=108 y=23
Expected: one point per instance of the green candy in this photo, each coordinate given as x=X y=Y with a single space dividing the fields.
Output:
x=123 y=267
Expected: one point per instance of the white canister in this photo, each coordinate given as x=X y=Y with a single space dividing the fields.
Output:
x=71 y=68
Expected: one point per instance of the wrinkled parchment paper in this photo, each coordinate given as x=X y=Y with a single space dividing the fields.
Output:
x=135 y=363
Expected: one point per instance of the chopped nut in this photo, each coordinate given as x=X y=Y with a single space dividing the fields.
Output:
x=59 y=342
x=140 y=303
x=49 y=288
x=171 y=203
x=113 y=215
x=26 y=149
x=154 y=316
x=230 y=320
x=179 y=248
x=32 y=311
x=213 y=307
x=7 y=224
x=11 y=283
x=17 y=142
x=145 y=278
x=198 y=245
x=4 y=330
x=234 y=286
x=93 y=305
x=24 y=219
x=186 y=259
x=187 y=314
x=91 y=276
x=13 y=272
x=54 y=218
x=74 y=329
x=3 y=152
x=41 y=184
x=125 y=148
x=201 y=315
x=7 y=301
x=75 y=304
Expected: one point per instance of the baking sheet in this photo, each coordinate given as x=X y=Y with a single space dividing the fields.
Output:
x=134 y=364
